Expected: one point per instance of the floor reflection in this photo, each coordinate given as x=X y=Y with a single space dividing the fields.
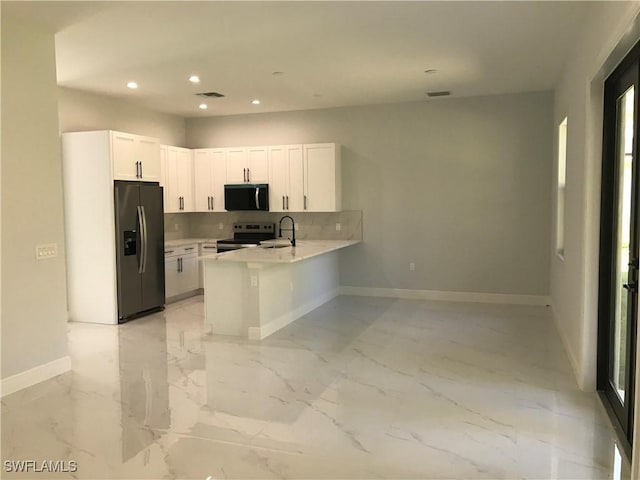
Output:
x=358 y=388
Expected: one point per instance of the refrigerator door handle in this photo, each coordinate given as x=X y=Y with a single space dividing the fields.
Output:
x=144 y=241
x=141 y=230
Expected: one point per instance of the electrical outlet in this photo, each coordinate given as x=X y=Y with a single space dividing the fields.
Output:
x=221 y=226
x=49 y=250
x=412 y=267
x=338 y=227
x=176 y=227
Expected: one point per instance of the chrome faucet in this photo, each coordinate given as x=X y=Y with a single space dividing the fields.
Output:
x=293 y=229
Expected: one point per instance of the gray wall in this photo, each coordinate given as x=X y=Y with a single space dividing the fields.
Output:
x=608 y=35
x=460 y=187
x=34 y=311
x=83 y=111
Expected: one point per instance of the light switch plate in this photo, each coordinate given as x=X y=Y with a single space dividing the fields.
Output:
x=338 y=227
x=50 y=250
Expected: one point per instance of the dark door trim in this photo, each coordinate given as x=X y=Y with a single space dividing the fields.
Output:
x=627 y=73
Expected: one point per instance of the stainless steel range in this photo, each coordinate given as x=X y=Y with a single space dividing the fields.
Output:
x=247 y=234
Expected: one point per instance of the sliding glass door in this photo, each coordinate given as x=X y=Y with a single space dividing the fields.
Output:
x=618 y=302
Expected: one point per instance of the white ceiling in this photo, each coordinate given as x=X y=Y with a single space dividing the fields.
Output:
x=332 y=53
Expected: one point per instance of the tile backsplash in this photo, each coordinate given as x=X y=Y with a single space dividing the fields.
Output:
x=314 y=226
x=176 y=226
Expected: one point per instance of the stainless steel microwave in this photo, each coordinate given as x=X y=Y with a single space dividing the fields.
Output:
x=246 y=196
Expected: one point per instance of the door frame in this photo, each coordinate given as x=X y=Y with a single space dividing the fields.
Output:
x=608 y=223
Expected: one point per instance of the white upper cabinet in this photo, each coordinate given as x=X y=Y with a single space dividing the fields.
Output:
x=179 y=180
x=210 y=175
x=322 y=177
x=247 y=165
x=258 y=164
x=286 y=177
x=135 y=157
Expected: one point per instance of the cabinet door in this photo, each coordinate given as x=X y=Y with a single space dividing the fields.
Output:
x=202 y=180
x=219 y=178
x=163 y=176
x=185 y=178
x=172 y=205
x=320 y=178
x=189 y=276
x=278 y=178
x=295 y=200
x=148 y=154
x=258 y=164
x=171 y=277
x=123 y=150
x=236 y=165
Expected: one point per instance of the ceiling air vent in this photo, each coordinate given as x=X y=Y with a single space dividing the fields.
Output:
x=210 y=95
x=444 y=93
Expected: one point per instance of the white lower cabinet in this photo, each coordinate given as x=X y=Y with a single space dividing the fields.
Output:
x=181 y=270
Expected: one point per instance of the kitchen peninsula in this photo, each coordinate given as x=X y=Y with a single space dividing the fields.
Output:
x=254 y=292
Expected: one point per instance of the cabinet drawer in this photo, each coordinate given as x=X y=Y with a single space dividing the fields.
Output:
x=181 y=250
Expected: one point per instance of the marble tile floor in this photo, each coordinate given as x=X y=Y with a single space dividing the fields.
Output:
x=359 y=388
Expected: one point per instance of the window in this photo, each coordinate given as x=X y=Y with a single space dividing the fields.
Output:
x=562 y=179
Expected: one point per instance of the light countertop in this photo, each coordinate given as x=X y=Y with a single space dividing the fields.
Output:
x=304 y=249
x=188 y=241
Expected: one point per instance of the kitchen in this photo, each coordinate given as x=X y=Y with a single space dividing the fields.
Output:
x=443 y=215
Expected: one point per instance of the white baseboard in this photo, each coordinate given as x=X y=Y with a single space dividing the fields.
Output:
x=35 y=375
x=577 y=371
x=502 y=298
x=263 y=331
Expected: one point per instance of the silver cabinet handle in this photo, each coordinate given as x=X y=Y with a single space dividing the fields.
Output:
x=248 y=175
x=305 y=202
x=244 y=177
x=287 y=202
x=188 y=249
x=168 y=251
x=208 y=203
x=141 y=174
x=257 y=198
x=283 y=202
x=137 y=169
x=210 y=248
x=213 y=198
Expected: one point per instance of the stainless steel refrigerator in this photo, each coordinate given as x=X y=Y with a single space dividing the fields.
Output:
x=139 y=248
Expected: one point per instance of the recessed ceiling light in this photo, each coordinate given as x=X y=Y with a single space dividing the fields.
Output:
x=194 y=79
x=132 y=85
x=255 y=102
x=202 y=106
x=430 y=71
x=277 y=73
